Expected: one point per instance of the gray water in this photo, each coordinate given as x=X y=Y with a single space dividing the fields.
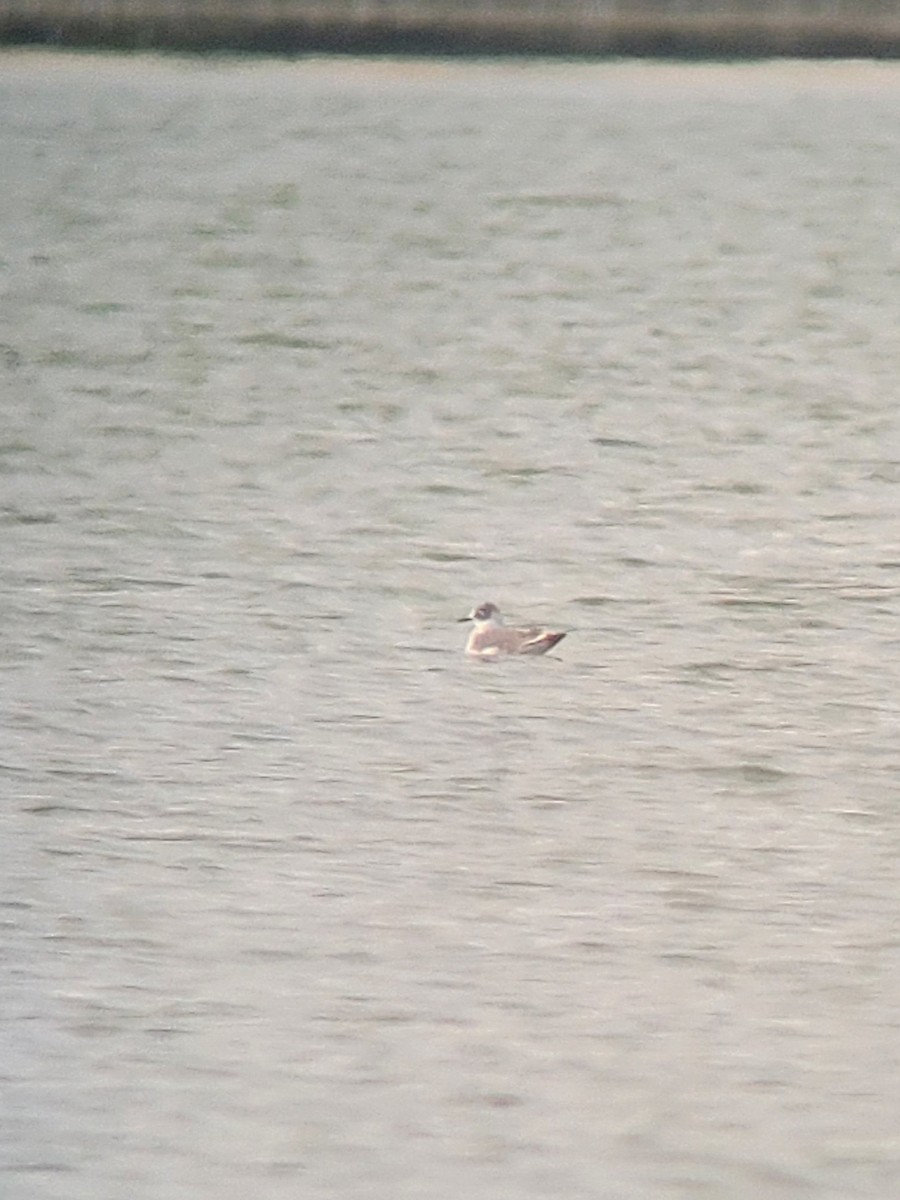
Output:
x=301 y=360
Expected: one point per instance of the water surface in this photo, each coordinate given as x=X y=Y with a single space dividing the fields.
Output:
x=300 y=360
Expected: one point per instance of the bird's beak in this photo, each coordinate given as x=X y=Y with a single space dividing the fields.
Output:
x=461 y=619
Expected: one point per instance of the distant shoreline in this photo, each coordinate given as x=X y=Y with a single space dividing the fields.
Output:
x=658 y=29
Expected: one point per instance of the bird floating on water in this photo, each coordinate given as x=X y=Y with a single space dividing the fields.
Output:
x=491 y=638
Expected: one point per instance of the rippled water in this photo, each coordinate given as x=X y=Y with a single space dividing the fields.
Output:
x=299 y=361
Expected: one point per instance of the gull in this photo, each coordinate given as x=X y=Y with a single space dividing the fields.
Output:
x=491 y=638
